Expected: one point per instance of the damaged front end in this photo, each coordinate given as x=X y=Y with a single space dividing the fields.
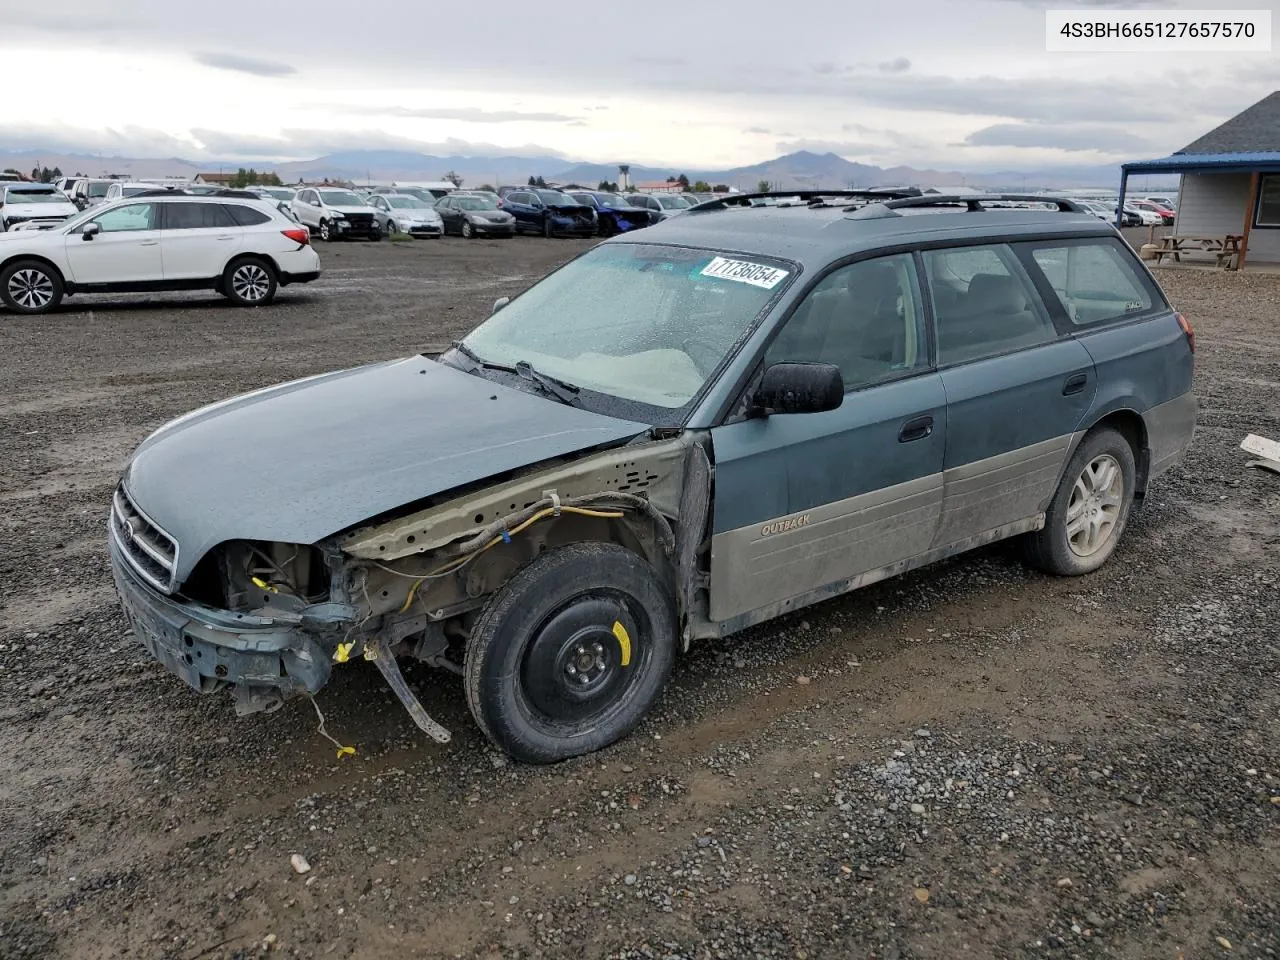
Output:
x=268 y=620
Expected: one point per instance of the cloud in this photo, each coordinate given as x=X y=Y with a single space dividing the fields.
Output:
x=756 y=130
x=465 y=114
x=1054 y=136
x=239 y=64
x=660 y=61
x=304 y=144
x=1097 y=4
x=896 y=65
x=122 y=141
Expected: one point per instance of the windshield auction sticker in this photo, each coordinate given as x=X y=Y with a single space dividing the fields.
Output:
x=744 y=271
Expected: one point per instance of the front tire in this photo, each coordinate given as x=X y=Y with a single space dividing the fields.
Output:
x=250 y=282
x=1087 y=515
x=468 y=231
x=31 y=287
x=570 y=654
x=546 y=227
x=326 y=231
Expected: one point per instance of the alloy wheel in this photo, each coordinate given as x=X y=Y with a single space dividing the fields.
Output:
x=1095 y=505
x=31 y=289
x=250 y=282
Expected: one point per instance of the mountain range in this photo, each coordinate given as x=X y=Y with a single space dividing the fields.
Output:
x=792 y=171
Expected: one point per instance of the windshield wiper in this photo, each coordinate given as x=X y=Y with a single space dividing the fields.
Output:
x=559 y=389
x=562 y=391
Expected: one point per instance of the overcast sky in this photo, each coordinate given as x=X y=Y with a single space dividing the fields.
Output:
x=958 y=84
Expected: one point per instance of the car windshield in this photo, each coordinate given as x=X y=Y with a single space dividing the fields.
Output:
x=341 y=198
x=99 y=189
x=36 y=196
x=475 y=203
x=641 y=322
x=555 y=197
x=673 y=203
x=410 y=202
x=612 y=200
x=278 y=194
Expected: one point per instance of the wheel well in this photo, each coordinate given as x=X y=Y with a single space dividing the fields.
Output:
x=270 y=261
x=39 y=259
x=1129 y=424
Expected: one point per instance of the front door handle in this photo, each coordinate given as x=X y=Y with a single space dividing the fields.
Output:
x=916 y=429
x=148 y=243
x=1074 y=384
x=226 y=238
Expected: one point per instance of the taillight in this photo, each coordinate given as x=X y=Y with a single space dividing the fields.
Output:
x=1186 y=328
x=299 y=235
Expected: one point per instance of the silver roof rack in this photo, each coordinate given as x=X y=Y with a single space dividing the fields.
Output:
x=972 y=202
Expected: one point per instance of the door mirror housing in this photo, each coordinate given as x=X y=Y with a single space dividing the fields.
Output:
x=799 y=388
x=90 y=231
x=499 y=304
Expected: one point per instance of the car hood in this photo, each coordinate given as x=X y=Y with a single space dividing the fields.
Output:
x=303 y=460
x=351 y=208
x=495 y=216
x=405 y=213
x=45 y=211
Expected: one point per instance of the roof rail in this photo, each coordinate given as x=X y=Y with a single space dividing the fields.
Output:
x=973 y=202
x=814 y=198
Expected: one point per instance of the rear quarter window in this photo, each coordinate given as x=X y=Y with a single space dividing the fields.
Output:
x=1095 y=280
x=246 y=216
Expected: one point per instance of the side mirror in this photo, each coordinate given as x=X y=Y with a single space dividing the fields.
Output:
x=799 y=388
x=90 y=231
x=499 y=304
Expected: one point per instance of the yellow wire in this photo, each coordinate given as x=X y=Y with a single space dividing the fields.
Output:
x=545 y=512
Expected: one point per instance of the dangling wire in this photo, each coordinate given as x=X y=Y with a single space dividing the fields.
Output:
x=343 y=751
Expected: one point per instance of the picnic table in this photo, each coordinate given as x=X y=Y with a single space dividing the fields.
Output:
x=1225 y=250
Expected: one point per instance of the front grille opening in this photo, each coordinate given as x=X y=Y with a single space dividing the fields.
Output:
x=151 y=551
x=247 y=576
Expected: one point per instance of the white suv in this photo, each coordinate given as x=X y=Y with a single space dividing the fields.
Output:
x=335 y=212
x=240 y=246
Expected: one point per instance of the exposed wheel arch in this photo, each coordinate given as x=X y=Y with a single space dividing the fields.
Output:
x=67 y=284
x=1130 y=425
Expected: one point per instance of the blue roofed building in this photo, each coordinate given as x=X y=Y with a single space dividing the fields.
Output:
x=1230 y=181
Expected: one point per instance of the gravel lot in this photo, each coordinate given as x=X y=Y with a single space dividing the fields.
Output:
x=974 y=759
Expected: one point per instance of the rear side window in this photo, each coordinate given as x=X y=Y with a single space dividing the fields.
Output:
x=246 y=216
x=1095 y=280
x=983 y=303
x=195 y=216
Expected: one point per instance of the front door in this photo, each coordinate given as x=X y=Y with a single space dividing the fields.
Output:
x=126 y=248
x=200 y=238
x=807 y=501
x=1016 y=393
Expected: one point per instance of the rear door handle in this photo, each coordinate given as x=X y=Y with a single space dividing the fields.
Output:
x=1074 y=384
x=148 y=243
x=916 y=429
x=226 y=238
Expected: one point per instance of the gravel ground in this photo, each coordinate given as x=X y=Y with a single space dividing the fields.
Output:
x=973 y=759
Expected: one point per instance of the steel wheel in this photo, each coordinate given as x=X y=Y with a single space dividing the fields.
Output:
x=1095 y=506
x=250 y=282
x=468 y=231
x=31 y=289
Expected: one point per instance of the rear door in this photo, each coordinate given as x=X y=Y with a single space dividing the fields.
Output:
x=521 y=206
x=125 y=250
x=1016 y=391
x=198 y=239
x=806 y=501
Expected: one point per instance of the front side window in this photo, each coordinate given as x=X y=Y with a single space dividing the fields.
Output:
x=1268 y=214
x=196 y=216
x=983 y=303
x=1094 y=280
x=865 y=318
x=640 y=322
x=98 y=189
x=132 y=217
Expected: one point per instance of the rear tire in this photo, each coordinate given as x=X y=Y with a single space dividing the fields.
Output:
x=31 y=287
x=571 y=653
x=250 y=282
x=1088 y=513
